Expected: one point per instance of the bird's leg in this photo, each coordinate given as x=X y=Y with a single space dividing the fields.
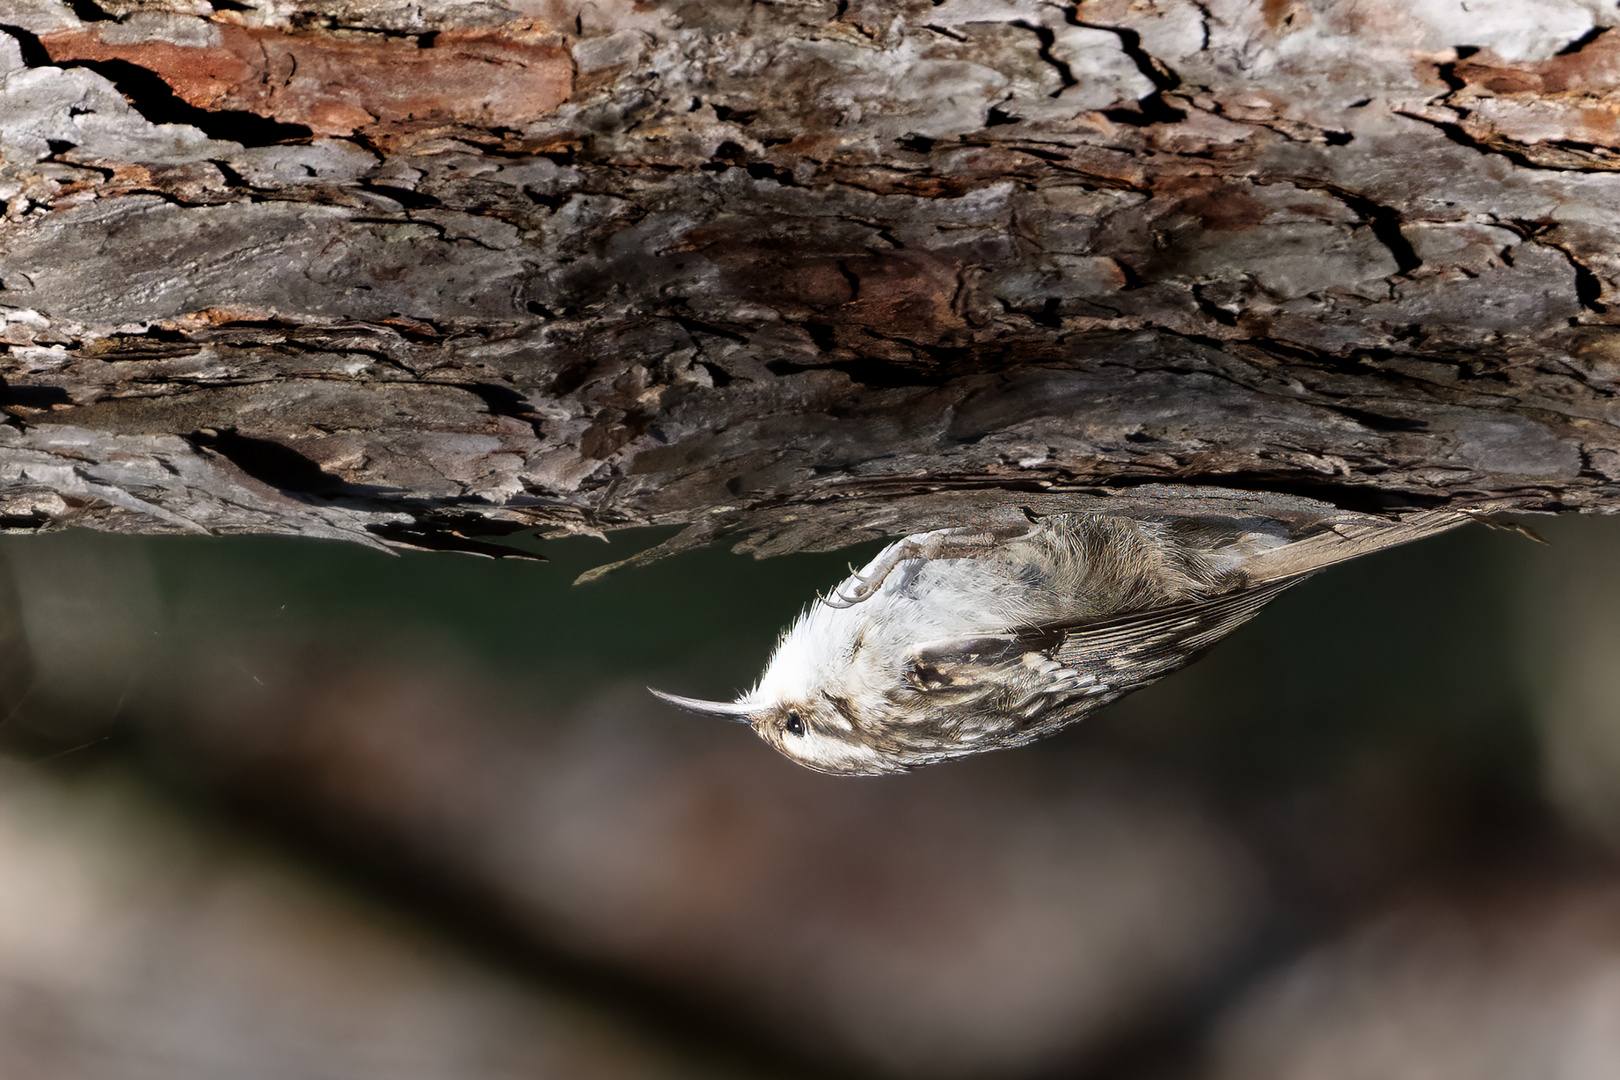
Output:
x=944 y=544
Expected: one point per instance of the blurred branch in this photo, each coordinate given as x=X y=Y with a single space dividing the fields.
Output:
x=423 y=275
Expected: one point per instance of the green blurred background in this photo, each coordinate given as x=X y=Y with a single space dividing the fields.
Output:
x=290 y=808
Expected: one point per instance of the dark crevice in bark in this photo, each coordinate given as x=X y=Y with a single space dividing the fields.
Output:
x=718 y=375
x=89 y=12
x=1457 y=134
x=552 y=201
x=1211 y=309
x=726 y=155
x=156 y=101
x=275 y=465
x=1583 y=41
x=500 y=400
x=24 y=523
x=233 y=178
x=851 y=278
x=438 y=534
x=1152 y=109
x=1149 y=111
x=1047 y=39
x=32 y=395
x=765 y=170
x=1604 y=155
x=406 y=197
x=1588 y=286
x=1348 y=493
x=1381 y=422
x=1383 y=221
x=1447 y=73
x=28 y=44
x=1588 y=289
x=729 y=115
x=1359 y=495
x=1156 y=71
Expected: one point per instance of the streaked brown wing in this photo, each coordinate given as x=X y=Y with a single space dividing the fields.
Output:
x=1129 y=650
x=1103 y=657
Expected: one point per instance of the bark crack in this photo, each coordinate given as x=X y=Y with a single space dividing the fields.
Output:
x=1583 y=41
x=1153 y=108
x=1588 y=286
x=1384 y=222
x=1573 y=156
x=1047 y=39
x=28 y=45
x=156 y=101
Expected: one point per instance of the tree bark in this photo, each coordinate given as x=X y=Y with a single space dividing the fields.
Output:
x=797 y=270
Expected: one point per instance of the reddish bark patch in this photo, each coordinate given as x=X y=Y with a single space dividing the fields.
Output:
x=788 y=277
x=339 y=85
x=905 y=293
x=1217 y=205
x=1593 y=69
x=1561 y=113
x=1279 y=13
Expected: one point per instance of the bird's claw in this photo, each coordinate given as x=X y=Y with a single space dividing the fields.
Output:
x=863 y=590
x=946 y=544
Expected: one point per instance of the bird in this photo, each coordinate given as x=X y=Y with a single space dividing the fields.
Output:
x=956 y=641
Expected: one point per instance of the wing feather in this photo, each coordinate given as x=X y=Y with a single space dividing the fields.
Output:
x=1130 y=650
x=1349 y=539
x=1034 y=670
x=1127 y=651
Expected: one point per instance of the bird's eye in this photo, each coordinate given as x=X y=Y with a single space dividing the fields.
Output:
x=794 y=725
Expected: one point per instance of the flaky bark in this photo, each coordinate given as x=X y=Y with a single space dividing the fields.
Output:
x=423 y=274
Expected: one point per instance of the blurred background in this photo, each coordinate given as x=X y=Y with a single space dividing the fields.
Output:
x=282 y=808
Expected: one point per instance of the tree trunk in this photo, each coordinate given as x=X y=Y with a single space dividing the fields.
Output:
x=801 y=270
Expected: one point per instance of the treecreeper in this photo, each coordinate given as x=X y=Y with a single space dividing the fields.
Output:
x=993 y=633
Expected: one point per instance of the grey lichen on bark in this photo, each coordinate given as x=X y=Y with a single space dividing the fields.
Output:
x=423 y=275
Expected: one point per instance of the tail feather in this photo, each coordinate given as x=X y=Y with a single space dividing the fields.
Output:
x=1349 y=538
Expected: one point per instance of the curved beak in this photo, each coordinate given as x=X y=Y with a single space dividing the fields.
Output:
x=731 y=710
